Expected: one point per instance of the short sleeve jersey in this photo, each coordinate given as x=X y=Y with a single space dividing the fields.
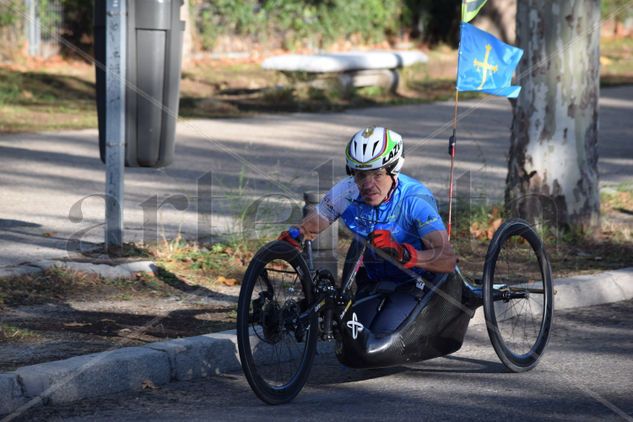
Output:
x=409 y=214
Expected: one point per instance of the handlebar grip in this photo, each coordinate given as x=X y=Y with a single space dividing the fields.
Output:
x=294 y=232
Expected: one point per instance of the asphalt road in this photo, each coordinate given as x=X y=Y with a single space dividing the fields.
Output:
x=586 y=374
x=52 y=184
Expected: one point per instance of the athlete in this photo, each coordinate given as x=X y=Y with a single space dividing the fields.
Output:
x=399 y=216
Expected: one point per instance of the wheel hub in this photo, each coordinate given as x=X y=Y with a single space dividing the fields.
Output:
x=272 y=322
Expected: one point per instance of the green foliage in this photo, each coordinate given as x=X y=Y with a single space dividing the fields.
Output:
x=372 y=20
x=11 y=12
x=219 y=17
x=48 y=19
x=40 y=88
x=75 y=20
x=616 y=9
x=10 y=87
x=298 y=22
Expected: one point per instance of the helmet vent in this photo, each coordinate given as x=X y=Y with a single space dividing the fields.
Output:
x=381 y=148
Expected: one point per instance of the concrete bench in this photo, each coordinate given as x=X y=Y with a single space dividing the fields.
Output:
x=353 y=69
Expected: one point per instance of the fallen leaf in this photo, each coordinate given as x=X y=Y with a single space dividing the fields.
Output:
x=605 y=61
x=246 y=258
x=490 y=233
x=149 y=385
x=492 y=228
x=476 y=231
x=227 y=281
x=496 y=223
x=48 y=234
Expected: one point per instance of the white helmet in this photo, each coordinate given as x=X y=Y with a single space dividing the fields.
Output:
x=375 y=148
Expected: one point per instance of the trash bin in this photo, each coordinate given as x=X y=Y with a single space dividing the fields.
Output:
x=153 y=68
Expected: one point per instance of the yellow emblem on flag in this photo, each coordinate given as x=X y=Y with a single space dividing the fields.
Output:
x=485 y=66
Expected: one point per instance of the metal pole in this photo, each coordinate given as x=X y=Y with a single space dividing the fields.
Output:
x=451 y=151
x=115 y=122
x=32 y=27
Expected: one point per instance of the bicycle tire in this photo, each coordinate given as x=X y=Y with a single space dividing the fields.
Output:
x=524 y=269
x=263 y=323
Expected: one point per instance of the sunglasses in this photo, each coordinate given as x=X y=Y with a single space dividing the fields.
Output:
x=376 y=175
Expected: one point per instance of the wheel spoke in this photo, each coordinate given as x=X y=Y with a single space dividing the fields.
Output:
x=517 y=320
x=275 y=363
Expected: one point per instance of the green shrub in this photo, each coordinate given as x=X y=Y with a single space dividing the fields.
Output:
x=298 y=23
x=217 y=17
x=11 y=12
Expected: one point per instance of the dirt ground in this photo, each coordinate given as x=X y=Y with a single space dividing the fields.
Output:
x=87 y=315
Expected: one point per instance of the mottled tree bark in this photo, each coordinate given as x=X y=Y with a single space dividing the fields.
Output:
x=553 y=160
x=499 y=18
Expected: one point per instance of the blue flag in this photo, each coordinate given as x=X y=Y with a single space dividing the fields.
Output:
x=486 y=64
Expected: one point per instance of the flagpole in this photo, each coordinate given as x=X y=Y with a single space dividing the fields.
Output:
x=453 y=140
x=451 y=151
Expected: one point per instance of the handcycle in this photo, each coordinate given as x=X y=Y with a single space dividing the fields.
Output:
x=286 y=305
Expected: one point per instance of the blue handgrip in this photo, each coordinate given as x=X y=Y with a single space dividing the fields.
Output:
x=294 y=232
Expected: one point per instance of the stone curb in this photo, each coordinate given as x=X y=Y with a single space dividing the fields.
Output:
x=125 y=270
x=135 y=368
x=585 y=290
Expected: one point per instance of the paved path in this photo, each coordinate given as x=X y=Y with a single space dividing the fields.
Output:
x=585 y=374
x=51 y=183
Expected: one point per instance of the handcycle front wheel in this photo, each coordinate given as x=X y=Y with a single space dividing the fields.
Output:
x=276 y=348
x=517 y=295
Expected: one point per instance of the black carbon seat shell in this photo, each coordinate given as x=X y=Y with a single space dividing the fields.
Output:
x=436 y=327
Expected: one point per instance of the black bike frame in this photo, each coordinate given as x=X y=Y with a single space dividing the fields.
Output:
x=473 y=295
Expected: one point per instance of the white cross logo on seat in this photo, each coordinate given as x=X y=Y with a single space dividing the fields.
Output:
x=355 y=326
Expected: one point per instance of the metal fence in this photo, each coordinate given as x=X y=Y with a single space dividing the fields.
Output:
x=43 y=24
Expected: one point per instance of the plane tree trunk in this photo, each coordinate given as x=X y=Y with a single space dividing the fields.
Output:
x=553 y=160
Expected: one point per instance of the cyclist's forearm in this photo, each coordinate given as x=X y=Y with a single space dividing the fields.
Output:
x=312 y=225
x=437 y=260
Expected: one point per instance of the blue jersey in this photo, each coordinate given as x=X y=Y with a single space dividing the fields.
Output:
x=409 y=214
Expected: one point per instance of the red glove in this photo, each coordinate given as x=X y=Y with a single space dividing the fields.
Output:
x=404 y=253
x=287 y=237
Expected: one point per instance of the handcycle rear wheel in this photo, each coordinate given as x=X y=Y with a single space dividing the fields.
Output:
x=276 y=351
x=517 y=295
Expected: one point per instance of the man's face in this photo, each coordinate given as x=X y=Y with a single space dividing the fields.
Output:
x=374 y=185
